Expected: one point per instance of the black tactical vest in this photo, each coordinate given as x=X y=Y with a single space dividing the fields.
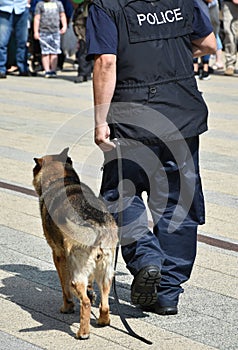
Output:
x=154 y=71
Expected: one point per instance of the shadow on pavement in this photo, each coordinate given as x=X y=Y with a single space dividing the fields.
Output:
x=38 y=292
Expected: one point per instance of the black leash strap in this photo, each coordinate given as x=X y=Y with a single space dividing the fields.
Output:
x=122 y=317
x=120 y=221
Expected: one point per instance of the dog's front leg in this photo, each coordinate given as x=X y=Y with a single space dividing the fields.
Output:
x=104 y=318
x=85 y=310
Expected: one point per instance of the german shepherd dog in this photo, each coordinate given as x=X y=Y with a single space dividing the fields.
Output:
x=82 y=235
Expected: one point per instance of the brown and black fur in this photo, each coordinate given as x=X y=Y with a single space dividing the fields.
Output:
x=81 y=233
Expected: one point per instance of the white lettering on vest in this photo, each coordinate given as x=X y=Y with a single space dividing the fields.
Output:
x=162 y=15
x=170 y=16
x=141 y=18
x=178 y=14
x=167 y=16
x=151 y=18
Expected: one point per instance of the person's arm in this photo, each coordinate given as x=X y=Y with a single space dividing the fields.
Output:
x=101 y=40
x=37 y=26
x=203 y=39
x=104 y=80
x=63 y=20
x=204 y=46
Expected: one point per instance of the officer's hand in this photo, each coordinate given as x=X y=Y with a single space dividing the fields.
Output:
x=102 y=137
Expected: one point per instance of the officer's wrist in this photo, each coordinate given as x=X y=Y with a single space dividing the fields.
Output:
x=100 y=125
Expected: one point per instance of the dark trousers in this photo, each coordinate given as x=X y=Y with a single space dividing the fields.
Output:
x=169 y=175
x=84 y=66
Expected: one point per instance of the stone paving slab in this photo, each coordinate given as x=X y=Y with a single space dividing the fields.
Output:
x=38 y=115
x=11 y=342
x=28 y=266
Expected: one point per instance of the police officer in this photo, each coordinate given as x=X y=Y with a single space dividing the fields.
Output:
x=148 y=118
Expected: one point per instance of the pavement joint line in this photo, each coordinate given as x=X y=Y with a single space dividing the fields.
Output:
x=218 y=243
x=17 y=188
x=215 y=242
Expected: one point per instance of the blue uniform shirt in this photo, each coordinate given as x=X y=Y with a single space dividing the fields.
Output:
x=101 y=34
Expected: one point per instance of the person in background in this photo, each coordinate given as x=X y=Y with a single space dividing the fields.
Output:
x=11 y=56
x=34 y=48
x=148 y=118
x=218 y=66
x=230 y=25
x=48 y=15
x=203 y=72
x=68 y=8
x=79 y=26
x=215 y=20
x=14 y=18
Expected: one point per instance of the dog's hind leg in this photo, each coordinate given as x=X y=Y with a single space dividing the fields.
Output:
x=104 y=318
x=90 y=291
x=80 y=289
x=60 y=264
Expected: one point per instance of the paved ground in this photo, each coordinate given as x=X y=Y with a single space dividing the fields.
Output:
x=38 y=116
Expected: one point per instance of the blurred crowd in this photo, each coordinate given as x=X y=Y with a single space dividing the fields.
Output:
x=31 y=41
x=224 y=18
x=38 y=36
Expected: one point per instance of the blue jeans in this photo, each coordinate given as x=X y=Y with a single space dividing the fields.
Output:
x=17 y=24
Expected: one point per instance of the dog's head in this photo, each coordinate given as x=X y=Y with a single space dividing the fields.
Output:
x=49 y=168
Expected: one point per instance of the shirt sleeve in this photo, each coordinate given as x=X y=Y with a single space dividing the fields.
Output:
x=201 y=22
x=61 y=7
x=101 y=33
x=38 y=8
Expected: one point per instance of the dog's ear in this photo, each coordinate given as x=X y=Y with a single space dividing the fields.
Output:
x=64 y=153
x=38 y=161
x=64 y=156
x=38 y=166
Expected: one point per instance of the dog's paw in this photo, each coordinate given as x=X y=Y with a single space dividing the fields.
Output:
x=81 y=336
x=104 y=316
x=67 y=309
x=103 y=321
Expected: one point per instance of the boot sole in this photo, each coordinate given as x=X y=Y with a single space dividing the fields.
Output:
x=144 y=286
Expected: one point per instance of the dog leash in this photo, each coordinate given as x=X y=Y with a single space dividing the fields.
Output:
x=120 y=221
x=122 y=316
